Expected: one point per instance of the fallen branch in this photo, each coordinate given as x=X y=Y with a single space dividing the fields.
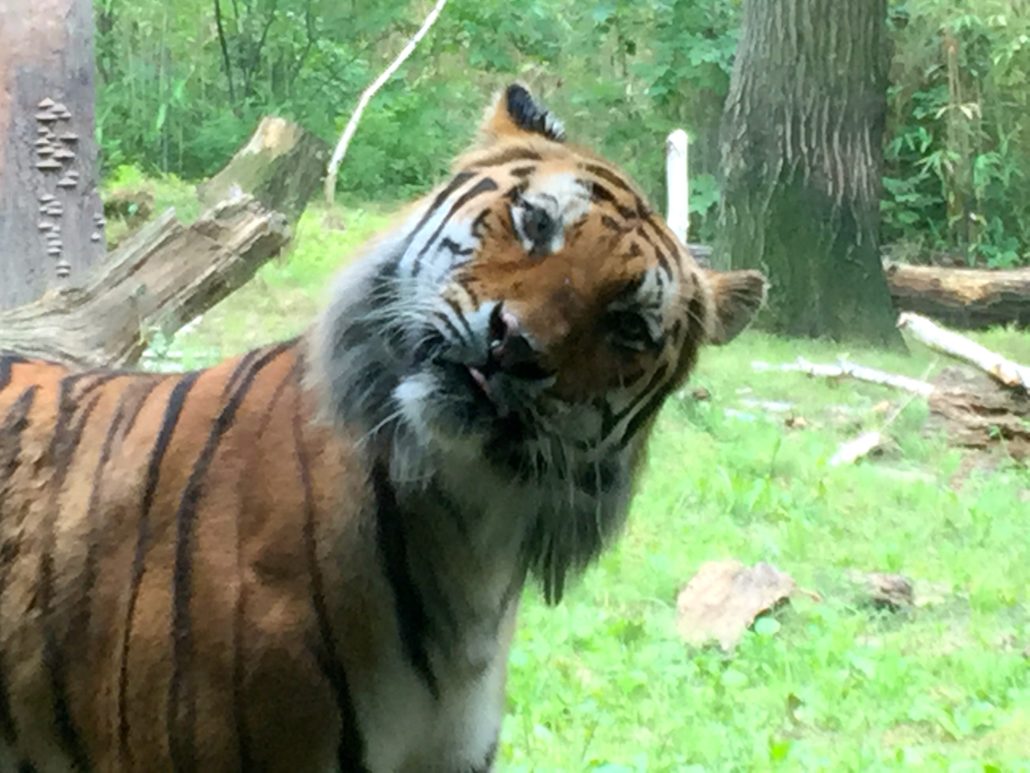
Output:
x=857 y=448
x=845 y=369
x=977 y=413
x=160 y=278
x=166 y=274
x=366 y=96
x=851 y=451
x=1006 y=372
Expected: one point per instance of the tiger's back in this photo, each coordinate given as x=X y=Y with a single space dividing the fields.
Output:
x=111 y=583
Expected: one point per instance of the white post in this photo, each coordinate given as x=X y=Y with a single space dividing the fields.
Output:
x=676 y=184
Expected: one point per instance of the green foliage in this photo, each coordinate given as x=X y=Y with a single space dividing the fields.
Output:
x=173 y=98
x=179 y=92
x=602 y=682
x=960 y=129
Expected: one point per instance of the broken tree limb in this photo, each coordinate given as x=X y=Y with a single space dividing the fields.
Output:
x=977 y=412
x=1006 y=372
x=366 y=96
x=857 y=448
x=280 y=166
x=167 y=273
x=160 y=278
x=963 y=297
x=967 y=298
x=845 y=369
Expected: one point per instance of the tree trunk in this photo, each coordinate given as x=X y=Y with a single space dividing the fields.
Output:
x=802 y=158
x=161 y=277
x=962 y=297
x=51 y=221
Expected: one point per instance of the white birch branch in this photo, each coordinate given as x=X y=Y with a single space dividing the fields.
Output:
x=1006 y=372
x=845 y=369
x=366 y=96
x=677 y=185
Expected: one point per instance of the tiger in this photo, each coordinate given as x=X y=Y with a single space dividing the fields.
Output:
x=310 y=557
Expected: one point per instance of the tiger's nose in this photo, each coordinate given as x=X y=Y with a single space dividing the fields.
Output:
x=512 y=351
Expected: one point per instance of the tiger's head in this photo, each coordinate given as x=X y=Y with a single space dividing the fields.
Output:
x=519 y=331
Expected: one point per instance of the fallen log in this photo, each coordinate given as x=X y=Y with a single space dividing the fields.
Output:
x=962 y=297
x=967 y=298
x=160 y=278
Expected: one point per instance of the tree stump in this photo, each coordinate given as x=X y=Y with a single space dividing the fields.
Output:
x=280 y=166
x=160 y=278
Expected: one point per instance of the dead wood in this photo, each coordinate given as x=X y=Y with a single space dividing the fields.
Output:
x=962 y=297
x=166 y=274
x=1006 y=372
x=979 y=410
x=160 y=278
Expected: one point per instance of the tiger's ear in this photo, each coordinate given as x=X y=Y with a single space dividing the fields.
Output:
x=515 y=114
x=738 y=295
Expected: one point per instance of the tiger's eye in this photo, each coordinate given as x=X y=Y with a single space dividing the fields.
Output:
x=629 y=330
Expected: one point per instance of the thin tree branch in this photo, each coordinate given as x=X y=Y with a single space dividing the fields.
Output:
x=225 y=52
x=366 y=96
x=254 y=54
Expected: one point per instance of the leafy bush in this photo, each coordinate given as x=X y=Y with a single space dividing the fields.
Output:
x=960 y=129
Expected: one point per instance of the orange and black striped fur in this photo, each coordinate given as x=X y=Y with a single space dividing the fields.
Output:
x=309 y=558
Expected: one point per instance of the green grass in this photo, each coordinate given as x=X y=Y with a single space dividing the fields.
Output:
x=603 y=683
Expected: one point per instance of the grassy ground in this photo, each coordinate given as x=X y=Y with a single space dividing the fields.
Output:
x=603 y=683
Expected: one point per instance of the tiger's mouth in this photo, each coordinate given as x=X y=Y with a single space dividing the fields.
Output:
x=495 y=382
x=489 y=389
x=498 y=377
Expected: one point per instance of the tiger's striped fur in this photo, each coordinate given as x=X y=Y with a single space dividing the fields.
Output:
x=309 y=558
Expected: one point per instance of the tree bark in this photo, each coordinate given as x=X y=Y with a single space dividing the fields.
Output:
x=802 y=159
x=280 y=166
x=962 y=297
x=51 y=221
x=160 y=278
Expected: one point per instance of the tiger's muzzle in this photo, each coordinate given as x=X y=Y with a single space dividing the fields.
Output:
x=513 y=365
